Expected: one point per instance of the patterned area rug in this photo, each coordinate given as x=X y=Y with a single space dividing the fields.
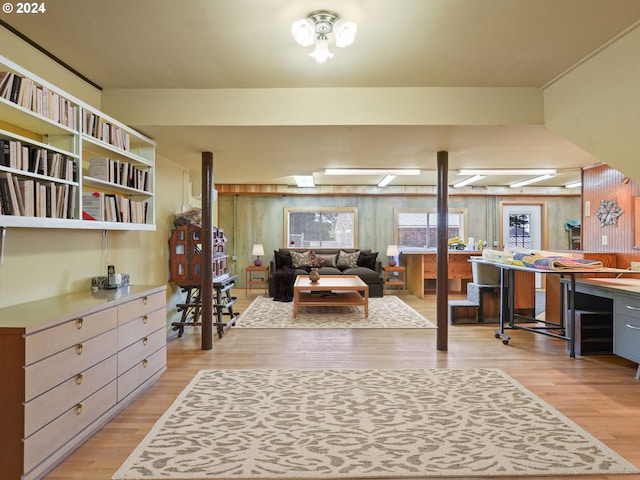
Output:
x=355 y=424
x=385 y=312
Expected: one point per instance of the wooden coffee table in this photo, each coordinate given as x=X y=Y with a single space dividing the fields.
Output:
x=330 y=290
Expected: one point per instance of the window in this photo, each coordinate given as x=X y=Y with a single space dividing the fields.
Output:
x=520 y=230
x=321 y=227
x=419 y=228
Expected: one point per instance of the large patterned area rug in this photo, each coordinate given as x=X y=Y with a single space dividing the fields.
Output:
x=384 y=312
x=356 y=424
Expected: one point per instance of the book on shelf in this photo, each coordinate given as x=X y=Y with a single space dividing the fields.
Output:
x=112 y=213
x=5 y=157
x=16 y=189
x=93 y=206
x=8 y=192
x=41 y=200
x=100 y=168
x=4 y=79
x=27 y=190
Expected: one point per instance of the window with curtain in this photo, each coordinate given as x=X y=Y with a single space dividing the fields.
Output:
x=415 y=228
x=321 y=227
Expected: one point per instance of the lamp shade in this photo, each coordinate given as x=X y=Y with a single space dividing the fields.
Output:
x=321 y=53
x=258 y=250
x=303 y=32
x=345 y=33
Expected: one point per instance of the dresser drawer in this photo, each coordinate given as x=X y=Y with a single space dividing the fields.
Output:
x=141 y=306
x=63 y=429
x=46 y=407
x=141 y=349
x=47 y=373
x=627 y=305
x=141 y=372
x=60 y=337
x=140 y=327
x=626 y=337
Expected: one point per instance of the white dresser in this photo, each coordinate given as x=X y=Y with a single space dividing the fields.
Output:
x=70 y=364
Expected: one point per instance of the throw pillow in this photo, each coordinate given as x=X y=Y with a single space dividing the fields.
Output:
x=300 y=259
x=368 y=260
x=348 y=260
x=283 y=259
x=327 y=260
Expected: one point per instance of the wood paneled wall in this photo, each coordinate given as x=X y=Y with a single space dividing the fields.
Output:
x=605 y=183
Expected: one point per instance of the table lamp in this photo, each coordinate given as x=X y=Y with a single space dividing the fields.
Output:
x=257 y=250
x=392 y=252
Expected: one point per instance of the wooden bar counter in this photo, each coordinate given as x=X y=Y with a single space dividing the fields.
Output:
x=421 y=266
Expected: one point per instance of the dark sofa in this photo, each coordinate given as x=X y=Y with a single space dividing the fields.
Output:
x=367 y=266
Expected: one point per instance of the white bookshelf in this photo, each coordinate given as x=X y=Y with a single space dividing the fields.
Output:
x=63 y=133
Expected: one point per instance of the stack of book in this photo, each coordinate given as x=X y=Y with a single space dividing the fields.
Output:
x=35 y=198
x=39 y=99
x=119 y=173
x=101 y=207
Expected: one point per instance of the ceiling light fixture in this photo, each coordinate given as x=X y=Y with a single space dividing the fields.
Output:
x=317 y=26
x=468 y=181
x=530 y=181
x=304 y=181
x=372 y=171
x=573 y=185
x=511 y=171
x=386 y=180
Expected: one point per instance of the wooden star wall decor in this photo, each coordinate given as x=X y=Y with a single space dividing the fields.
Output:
x=608 y=212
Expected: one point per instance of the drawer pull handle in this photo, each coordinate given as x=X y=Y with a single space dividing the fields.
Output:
x=79 y=408
x=79 y=323
x=145 y=340
x=633 y=327
x=631 y=307
x=145 y=319
x=79 y=348
x=144 y=300
x=145 y=362
x=79 y=378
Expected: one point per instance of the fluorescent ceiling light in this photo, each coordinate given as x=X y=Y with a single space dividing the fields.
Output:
x=573 y=185
x=386 y=180
x=513 y=171
x=372 y=171
x=530 y=181
x=304 y=181
x=468 y=181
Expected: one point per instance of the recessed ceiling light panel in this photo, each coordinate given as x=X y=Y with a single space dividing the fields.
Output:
x=372 y=171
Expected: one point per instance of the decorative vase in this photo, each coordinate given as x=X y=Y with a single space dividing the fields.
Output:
x=314 y=276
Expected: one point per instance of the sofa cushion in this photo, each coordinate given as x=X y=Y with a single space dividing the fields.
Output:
x=283 y=259
x=329 y=271
x=367 y=260
x=366 y=274
x=348 y=260
x=328 y=260
x=300 y=259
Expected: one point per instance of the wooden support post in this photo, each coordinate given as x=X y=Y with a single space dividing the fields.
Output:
x=442 y=253
x=206 y=287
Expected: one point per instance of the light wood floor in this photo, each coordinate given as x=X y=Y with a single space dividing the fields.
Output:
x=600 y=393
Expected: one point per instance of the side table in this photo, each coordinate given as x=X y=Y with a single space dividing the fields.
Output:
x=256 y=277
x=394 y=276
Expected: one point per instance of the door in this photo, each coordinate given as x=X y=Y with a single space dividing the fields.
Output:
x=521 y=226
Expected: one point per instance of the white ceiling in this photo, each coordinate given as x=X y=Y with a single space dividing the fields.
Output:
x=208 y=44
